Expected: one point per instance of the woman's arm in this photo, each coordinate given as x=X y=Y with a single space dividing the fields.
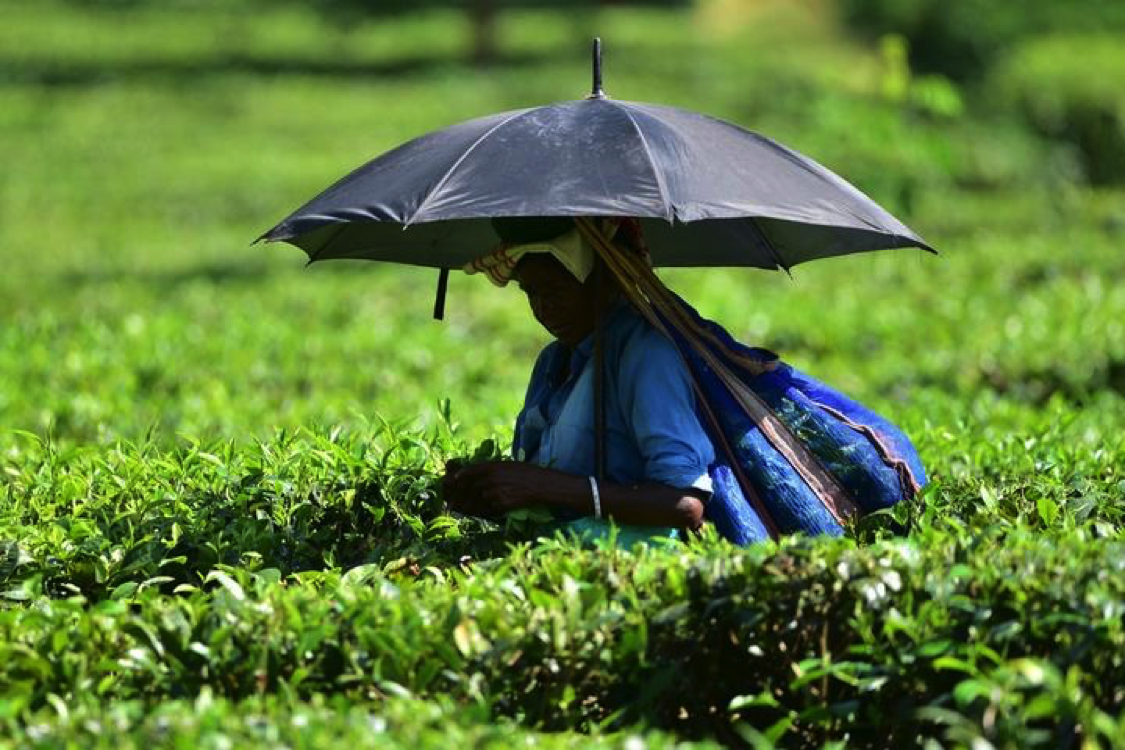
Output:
x=497 y=487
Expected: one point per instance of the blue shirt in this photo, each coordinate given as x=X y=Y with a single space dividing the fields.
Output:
x=652 y=432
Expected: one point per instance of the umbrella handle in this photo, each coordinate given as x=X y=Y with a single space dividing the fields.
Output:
x=439 y=299
x=599 y=372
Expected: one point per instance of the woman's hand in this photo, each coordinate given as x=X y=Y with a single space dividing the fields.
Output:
x=493 y=488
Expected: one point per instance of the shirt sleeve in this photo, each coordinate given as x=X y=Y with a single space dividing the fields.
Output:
x=658 y=403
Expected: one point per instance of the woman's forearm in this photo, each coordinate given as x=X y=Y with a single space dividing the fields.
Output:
x=648 y=504
x=493 y=488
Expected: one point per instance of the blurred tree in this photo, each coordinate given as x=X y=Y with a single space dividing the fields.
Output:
x=483 y=14
x=961 y=38
x=1071 y=88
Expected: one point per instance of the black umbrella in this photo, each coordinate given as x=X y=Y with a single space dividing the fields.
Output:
x=707 y=192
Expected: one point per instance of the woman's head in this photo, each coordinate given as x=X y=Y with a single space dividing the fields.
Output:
x=554 y=274
x=562 y=304
x=554 y=266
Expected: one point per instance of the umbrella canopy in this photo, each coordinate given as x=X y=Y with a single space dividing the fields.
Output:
x=707 y=192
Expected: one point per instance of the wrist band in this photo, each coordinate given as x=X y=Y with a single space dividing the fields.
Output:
x=597 y=497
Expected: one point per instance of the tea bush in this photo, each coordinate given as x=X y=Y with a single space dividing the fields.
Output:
x=95 y=521
x=92 y=522
x=208 y=537
x=209 y=722
x=821 y=640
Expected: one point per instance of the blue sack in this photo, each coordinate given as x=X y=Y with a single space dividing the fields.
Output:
x=868 y=462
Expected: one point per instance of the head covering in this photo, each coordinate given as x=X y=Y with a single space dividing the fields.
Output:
x=557 y=236
x=568 y=249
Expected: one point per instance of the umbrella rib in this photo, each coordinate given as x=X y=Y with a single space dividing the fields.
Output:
x=449 y=172
x=669 y=211
x=313 y=257
x=769 y=246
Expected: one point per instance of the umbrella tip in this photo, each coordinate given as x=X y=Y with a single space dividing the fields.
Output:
x=596 y=92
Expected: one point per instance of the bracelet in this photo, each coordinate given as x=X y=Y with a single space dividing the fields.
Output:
x=597 y=497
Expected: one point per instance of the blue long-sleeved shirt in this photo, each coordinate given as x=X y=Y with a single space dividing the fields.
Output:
x=652 y=432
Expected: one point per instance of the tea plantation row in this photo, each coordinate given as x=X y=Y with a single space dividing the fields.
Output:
x=177 y=571
x=209 y=570
x=1014 y=637
x=95 y=522
x=272 y=722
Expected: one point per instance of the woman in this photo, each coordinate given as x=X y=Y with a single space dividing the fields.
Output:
x=658 y=454
x=795 y=455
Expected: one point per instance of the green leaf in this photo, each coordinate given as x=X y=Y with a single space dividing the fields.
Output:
x=232 y=586
x=968 y=691
x=1048 y=510
x=763 y=699
x=124 y=591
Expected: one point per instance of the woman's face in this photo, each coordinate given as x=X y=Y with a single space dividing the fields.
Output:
x=560 y=303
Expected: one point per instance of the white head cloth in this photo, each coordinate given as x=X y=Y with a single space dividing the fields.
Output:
x=569 y=249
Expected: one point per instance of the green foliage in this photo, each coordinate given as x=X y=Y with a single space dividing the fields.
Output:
x=109 y=523
x=879 y=642
x=270 y=722
x=207 y=537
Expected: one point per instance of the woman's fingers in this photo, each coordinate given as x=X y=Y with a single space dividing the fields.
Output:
x=492 y=488
x=475 y=477
x=499 y=500
x=462 y=487
x=457 y=494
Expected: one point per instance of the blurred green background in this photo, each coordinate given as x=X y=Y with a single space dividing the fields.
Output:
x=219 y=451
x=145 y=145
